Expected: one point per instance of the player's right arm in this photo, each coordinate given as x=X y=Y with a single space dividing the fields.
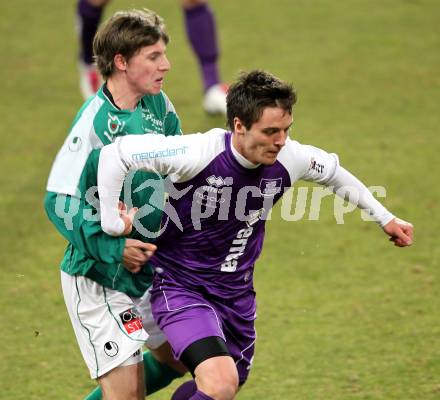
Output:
x=92 y=241
x=178 y=157
x=69 y=216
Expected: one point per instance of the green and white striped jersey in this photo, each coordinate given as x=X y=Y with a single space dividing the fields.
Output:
x=71 y=199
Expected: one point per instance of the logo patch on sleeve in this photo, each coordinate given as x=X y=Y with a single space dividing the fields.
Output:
x=131 y=320
x=316 y=166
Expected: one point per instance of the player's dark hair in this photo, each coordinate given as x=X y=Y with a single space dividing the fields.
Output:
x=253 y=92
x=125 y=33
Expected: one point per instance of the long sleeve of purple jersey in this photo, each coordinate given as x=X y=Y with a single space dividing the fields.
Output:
x=309 y=163
x=350 y=188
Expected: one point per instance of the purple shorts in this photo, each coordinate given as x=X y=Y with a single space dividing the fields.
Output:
x=186 y=316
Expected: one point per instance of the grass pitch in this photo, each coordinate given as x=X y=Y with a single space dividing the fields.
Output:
x=342 y=313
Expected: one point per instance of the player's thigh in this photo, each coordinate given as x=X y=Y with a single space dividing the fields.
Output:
x=241 y=346
x=125 y=382
x=238 y=323
x=185 y=317
x=157 y=342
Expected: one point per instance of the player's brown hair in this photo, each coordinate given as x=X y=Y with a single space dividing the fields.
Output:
x=253 y=92
x=125 y=33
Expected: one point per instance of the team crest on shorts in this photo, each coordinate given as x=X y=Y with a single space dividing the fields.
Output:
x=131 y=320
x=270 y=187
x=111 y=349
x=75 y=144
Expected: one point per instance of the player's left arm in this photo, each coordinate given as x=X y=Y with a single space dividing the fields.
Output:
x=324 y=168
x=347 y=186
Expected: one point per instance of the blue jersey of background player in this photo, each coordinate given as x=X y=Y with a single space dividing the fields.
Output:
x=224 y=184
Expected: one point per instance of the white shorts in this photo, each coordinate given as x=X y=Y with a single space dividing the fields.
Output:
x=109 y=325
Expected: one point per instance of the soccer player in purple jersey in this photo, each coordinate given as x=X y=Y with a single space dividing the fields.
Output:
x=201 y=33
x=223 y=187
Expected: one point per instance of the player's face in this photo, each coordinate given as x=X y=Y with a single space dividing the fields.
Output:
x=266 y=137
x=145 y=71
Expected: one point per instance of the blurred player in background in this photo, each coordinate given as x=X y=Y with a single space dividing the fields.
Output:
x=203 y=294
x=201 y=33
x=104 y=278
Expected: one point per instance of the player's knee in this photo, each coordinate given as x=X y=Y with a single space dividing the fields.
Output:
x=220 y=386
x=214 y=369
x=218 y=378
x=228 y=389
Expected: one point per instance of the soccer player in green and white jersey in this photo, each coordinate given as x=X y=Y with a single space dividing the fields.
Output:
x=104 y=278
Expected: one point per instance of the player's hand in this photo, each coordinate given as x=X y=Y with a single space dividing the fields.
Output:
x=136 y=254
x=400 y=232
x=127 y=217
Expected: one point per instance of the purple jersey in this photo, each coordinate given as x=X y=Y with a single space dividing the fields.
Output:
x=214 y=220
x=223 y=220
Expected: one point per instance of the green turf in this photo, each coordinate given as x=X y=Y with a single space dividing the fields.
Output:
x=342 y=313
